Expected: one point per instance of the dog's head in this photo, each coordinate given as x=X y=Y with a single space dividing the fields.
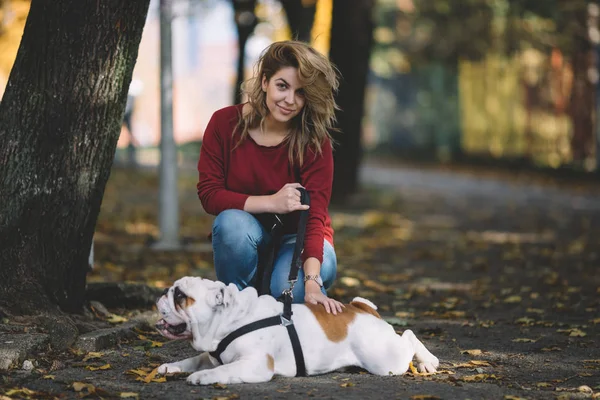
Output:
x=191 y=301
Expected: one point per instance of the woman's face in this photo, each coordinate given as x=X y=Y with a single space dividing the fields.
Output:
x=285 y=96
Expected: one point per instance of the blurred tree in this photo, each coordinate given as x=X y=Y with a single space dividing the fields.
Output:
x=351 y=39
x=245 y=22
x=60 y=120
x=577 y=44
x=300 y=15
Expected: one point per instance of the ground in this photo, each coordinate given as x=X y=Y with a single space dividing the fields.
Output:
x=494 y=271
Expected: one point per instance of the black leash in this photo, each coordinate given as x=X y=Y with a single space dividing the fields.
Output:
x=263 y=287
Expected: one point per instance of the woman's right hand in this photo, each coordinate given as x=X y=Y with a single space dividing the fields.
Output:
x=287 y=199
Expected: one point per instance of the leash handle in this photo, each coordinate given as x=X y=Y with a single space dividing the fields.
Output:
x=296 y=259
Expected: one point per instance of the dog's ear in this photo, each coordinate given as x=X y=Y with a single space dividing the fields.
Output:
x=223 y=296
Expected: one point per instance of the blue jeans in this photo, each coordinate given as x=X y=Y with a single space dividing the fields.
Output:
x=237 y=237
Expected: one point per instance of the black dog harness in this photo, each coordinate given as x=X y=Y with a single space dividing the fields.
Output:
x=285 y=318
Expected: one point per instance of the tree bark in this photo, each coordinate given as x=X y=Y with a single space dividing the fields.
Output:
x=245 y=22
x=301 y=16
x=351 y=40
x=60 y=120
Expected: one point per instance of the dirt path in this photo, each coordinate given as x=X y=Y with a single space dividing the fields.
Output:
x=498 y=277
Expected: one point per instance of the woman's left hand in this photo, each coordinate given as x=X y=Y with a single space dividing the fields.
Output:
x=313 y=296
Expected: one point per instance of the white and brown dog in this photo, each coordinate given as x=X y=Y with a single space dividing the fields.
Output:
x=206 y=311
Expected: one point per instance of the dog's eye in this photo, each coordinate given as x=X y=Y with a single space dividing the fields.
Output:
x=178 y=296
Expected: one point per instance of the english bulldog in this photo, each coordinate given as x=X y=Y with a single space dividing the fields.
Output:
x=205 y=312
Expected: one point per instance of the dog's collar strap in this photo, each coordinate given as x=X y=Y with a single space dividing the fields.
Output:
x=266 y=323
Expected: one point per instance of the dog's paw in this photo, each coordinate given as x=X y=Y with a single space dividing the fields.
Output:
x=428 y=364
x=200 y=378
x=169 y=369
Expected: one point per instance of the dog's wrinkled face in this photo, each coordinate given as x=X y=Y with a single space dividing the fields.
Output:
x=191 y=300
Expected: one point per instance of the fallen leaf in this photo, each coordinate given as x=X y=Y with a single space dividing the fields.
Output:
x=534 y=310
x=84 y=388
x=138 y=372
x=151 y=377
x=349 y=282
x=100 y=368
x=49 y=376
x=92 y=355
x=524 y=340
x=474 y=352
x=524 y=321
x=347 y=384
x=219 y=386
x=509 y=397
x=544 y=385
x=573 y=332
x=585 y=389
x=116 y=319
x=472 y=364
x=20 y=392
x=553 y=348
x=513 y=299
x=129 y=395
x=478 y=377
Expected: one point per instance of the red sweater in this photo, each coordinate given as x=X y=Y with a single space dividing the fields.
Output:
x=228 y=177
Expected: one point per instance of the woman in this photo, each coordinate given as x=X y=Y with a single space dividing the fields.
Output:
x=256 y=155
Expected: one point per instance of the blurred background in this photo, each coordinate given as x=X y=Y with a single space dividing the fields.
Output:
x=512 y=81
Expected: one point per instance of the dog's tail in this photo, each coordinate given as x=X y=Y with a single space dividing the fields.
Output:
x=364 y=301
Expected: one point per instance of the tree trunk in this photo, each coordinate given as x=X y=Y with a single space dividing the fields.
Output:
x=60 y=120
x=583 y=95
x=245 y=22
x=351 y=39
x=301 y=16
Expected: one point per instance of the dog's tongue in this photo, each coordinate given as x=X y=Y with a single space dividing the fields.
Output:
x=173 y=329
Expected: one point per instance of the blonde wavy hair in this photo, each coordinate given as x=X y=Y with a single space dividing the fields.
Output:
x=319 y=80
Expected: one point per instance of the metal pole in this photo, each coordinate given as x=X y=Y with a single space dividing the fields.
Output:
x=168 y=196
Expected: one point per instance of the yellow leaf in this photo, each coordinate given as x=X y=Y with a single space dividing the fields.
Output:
x=479 y=377
x=49 y=376
x=585 y=389
x=347 y=384
x=151 y=375
x=524 y=340
x=138 y=372
x=573 y=332
x=544 y=385
x=413 y=369
x=595 y=321
x=219 y=386
x=83 y=387
x=553 y=348
x=472 y=364
x=92 y=355
x=513 y=299
x=474 y=352
x=102 y=367
x=509 y=397
x=156 y=344
x=116 y=319
x=129 y=395
x=20 y=392
x=524 y=321
x=535 y=310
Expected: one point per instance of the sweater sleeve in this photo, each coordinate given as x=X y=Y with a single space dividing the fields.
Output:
x=212 y=190
x=317 y=177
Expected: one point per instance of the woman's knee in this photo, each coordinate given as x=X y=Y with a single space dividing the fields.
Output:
x=234 y=226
